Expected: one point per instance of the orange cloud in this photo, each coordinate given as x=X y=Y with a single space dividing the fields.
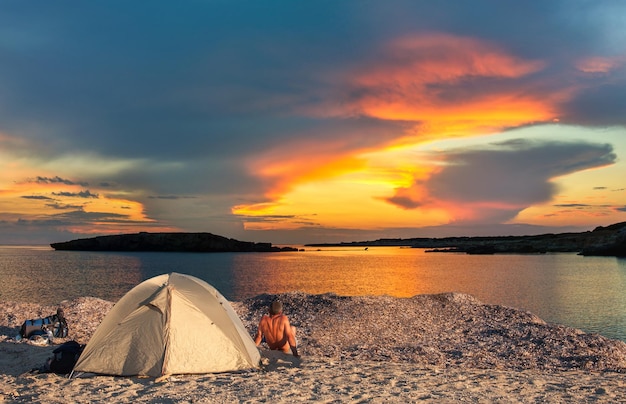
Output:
x=305 y=169
x=440 y=86
x=441 y=58
x=451 y=85
x=70 y=206
x=302 y=161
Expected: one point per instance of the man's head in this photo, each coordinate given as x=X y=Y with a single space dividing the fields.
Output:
x=276 y=307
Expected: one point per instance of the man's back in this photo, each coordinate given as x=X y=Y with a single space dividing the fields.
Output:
x=278 y=333
x=273 y=328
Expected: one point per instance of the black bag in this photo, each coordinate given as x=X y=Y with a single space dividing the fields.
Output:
x=64 y=358
x=55 y=323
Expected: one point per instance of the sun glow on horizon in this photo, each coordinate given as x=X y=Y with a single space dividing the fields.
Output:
x=353 y=199
x=371 y=197
x=68 y=205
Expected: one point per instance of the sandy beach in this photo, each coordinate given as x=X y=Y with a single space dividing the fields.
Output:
x=429 y=348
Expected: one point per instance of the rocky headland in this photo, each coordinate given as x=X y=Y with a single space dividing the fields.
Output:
x=166 y=242
x=606 y=241
x=603 y=241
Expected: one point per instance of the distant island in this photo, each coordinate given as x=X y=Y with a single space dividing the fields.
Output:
x=602 y=241
x=166 y=242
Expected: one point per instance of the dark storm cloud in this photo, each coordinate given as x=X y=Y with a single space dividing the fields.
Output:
x=36 y=197
x=81 y=216
x=508 y=177
x=171 y=197
x=599 y=106
x=168 y=81
x=60 y=206
x=55 y=180
x=75 y=217
x=516 y=172
x=405 y=202
x=209 y=78
x=81 y=194
x=42 y=223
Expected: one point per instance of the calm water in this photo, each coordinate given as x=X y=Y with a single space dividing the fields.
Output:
x=582 y=292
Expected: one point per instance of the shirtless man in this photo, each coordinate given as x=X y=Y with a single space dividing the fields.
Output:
x=279 y=334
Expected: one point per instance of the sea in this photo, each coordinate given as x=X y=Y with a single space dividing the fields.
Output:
x=564 y=288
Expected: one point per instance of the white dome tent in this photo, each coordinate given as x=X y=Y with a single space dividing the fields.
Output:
x=169 y=324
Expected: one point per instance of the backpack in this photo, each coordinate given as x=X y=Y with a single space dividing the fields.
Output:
x=55 y=323
x=64 y=358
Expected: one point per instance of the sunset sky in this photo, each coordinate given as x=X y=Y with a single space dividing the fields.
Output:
x=297 y=122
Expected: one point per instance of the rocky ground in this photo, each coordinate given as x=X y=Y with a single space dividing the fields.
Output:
x=446 y=330
x=429 y=348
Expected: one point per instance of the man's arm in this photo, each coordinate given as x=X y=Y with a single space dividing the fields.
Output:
x=291 y=339
x=259 y=333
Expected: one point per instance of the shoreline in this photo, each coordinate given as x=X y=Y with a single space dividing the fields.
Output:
x=371 y=348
